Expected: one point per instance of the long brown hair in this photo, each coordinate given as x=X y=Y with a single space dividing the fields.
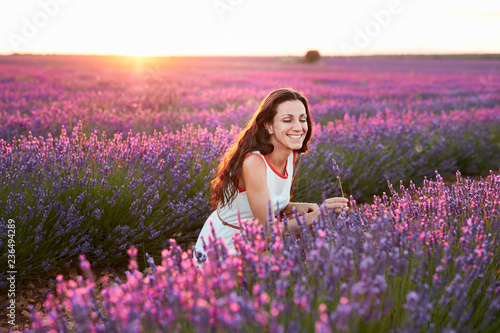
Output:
x=254 y=137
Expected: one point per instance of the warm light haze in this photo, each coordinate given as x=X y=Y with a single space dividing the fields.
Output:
x=258 y=27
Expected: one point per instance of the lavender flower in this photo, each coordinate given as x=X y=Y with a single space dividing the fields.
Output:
x=336 y=169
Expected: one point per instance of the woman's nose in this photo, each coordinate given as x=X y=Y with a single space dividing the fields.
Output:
x=297 y=125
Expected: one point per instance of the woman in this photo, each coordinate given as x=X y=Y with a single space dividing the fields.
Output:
x=259 y=169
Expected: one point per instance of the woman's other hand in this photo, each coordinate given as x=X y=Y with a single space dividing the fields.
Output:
x=309 y=207
x=306 y=207
x=337 y=203
x=301 y=207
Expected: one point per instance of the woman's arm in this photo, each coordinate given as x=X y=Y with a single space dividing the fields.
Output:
x=337 y=202
x=254 y=176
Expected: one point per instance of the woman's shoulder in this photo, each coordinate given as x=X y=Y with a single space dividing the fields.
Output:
x=254 y=159
x=255 y=152
x=253 y=155
x=254 y=170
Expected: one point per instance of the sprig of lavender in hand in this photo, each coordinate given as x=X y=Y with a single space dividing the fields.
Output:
x=337 y=173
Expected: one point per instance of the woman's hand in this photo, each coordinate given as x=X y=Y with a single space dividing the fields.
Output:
x=337 y=203
x=301 y=207
x=309 y=207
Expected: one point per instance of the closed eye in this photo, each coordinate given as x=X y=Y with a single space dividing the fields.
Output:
x=302 y=120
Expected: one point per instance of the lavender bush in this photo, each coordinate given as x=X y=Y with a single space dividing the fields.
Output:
x=73 y=188
x=113 y=94
x=101 y=154
x=98 y=195
x=397 y=147
x=425 y=259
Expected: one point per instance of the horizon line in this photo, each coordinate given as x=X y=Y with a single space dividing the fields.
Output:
x=253 y=55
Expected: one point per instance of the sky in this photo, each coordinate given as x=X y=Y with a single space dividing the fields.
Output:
x=249 y=27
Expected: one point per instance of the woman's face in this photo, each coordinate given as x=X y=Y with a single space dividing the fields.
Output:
x=289 y=126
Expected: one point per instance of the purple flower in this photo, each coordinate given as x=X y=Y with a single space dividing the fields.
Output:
x=336 y=168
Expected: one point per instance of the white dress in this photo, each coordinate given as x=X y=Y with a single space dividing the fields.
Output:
x=225 y=219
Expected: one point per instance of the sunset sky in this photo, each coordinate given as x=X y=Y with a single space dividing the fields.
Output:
x=256 y=27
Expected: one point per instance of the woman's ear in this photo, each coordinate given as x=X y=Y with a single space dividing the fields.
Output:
x=269 y=128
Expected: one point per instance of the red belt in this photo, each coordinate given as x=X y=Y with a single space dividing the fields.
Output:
x=232 y=226
x=225 y=223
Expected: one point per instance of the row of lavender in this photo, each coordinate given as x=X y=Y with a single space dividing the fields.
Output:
x=97 y=195
x=39 y=94
x=423 y=260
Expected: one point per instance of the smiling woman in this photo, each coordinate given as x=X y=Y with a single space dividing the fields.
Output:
x=256 y=175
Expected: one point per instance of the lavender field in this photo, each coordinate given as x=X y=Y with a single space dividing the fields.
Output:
x=106 y=161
